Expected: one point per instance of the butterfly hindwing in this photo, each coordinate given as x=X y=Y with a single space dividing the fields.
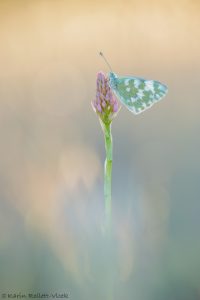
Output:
x=138 y=94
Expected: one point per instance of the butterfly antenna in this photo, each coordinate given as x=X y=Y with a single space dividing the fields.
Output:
x=100 y=53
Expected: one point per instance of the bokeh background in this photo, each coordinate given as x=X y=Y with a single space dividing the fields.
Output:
x=52 y=150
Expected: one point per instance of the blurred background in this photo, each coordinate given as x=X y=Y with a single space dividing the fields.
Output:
x=52 y=150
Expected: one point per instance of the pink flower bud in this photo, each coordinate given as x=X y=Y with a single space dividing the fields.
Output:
x=105 y=104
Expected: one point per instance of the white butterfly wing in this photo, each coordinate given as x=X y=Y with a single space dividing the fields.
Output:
x=138 y=94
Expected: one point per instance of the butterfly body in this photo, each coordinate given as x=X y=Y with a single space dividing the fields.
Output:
x=137 y=94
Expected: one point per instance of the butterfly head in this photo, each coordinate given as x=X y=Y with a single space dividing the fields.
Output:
x=112 y=80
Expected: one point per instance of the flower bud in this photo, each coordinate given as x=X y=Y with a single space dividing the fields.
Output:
x=105 y=105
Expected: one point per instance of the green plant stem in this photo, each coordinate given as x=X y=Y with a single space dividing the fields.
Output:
x=108 y=175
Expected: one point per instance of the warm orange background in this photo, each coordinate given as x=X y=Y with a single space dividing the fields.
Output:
x=52 y=149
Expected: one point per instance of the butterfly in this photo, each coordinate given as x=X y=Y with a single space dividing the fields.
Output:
x=135 y=93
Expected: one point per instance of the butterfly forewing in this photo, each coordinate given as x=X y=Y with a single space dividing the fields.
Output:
x=138 y=94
